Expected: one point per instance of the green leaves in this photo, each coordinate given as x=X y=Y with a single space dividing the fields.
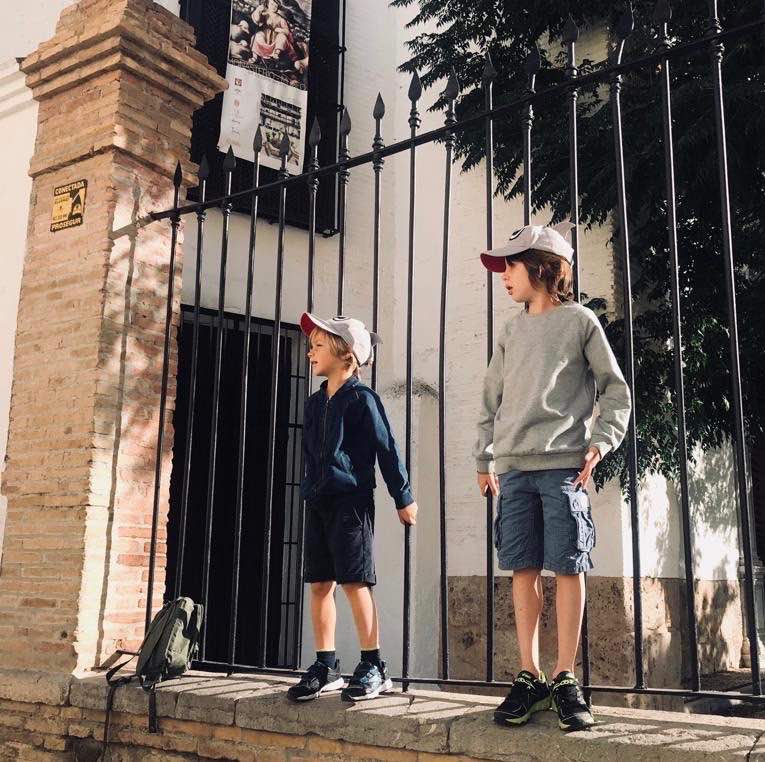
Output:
x=467 y=31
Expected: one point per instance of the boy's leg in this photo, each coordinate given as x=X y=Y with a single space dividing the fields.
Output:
x=528 y=601
x=569 y=538
x=364 y=612
x=569 y=606
x=518 y=535
x=530 y=692
x=324 y=674
x=323 y=615
x=370 y=678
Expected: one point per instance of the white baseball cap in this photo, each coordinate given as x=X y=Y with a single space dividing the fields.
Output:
x=553 y=239
x=352 y=331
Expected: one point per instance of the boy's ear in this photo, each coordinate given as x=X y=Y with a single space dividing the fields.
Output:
x=564 y=228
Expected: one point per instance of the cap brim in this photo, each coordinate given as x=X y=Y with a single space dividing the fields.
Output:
x=309 y=322
x=494 y=261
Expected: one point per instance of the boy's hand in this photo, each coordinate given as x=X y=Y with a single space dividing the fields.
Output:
x=591 y=459
x=488 y=482
x=408 y=514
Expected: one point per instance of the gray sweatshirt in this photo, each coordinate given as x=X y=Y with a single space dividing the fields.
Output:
x=539 y=393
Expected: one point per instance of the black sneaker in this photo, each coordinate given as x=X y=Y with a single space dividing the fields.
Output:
x=368 y=682
x=568 y=701
x=528 y=695
x=317 y=679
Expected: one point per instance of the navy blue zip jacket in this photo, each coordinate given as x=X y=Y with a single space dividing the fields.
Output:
x=342 y=435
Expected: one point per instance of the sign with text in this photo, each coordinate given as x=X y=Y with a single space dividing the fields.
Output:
x=68 y=205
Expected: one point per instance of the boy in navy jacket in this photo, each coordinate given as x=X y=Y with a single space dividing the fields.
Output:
x=344 y=430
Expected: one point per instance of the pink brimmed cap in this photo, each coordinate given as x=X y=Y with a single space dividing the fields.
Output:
x=352 y=331
x=553 y=239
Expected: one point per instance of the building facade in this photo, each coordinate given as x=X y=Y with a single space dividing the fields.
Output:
x=375 y=48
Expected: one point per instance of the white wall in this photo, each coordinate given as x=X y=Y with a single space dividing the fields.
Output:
x=34 y=21
x=18 y=118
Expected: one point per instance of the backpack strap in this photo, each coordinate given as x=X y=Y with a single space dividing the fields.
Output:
x=113 y=685
x=153 y=722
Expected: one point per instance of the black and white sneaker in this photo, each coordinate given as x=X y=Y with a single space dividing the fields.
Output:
x=568 y=701
x=317 y=679
x=368 y=682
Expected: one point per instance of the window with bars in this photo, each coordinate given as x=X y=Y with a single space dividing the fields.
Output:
x=285 y=585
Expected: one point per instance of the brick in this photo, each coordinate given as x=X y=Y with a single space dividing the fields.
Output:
x=226 y=750
x=227 y=733
x=362 y=751
x=323 y=745
x=78 y=730
x=180 y=727
x=11 y=720
x=275 y=740
x=56 y=744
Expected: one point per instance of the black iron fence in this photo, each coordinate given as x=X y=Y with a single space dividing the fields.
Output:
x=665 y=54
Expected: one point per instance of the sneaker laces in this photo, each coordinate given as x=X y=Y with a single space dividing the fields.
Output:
x=318 y=670
x=363 y=673
x=569 y=696
x=522 y=688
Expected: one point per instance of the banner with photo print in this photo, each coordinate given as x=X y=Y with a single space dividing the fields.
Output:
x=267 y=73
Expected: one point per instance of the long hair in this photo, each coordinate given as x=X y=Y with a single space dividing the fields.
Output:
x=547 y=272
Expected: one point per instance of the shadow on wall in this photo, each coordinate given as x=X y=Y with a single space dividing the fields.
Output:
x=712 y=489
x=427 y=575
x=126 y=414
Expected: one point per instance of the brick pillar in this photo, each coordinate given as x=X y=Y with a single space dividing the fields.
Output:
x=117 y=86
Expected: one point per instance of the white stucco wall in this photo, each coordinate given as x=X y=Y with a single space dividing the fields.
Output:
x=18 y=117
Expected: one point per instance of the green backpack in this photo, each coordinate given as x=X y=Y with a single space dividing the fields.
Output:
x=168 y=648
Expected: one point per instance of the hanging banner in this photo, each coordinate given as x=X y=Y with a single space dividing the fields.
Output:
x=267 y=73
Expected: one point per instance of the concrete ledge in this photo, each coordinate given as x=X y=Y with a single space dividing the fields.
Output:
x=244 y=717
x=436 y=722
x=35 y=687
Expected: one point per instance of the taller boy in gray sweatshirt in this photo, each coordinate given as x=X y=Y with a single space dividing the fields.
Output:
x=539 y=392
x=538 y=443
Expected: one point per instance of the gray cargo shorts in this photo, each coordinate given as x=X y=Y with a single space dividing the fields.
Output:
x=543 y=522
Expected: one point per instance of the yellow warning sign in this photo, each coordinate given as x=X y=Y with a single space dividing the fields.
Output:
x=68 y=205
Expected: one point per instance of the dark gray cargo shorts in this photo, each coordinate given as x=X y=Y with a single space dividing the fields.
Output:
x=543 y=522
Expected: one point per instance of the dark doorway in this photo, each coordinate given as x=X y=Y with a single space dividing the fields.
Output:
x=284 y=589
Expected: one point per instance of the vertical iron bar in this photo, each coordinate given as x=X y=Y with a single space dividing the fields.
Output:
x=487 y=81
x=623 y=30
x=245 y=379
x=204 y=173
x=344 y=174
x=175 y=222
x=377 y=163
x=271 y=468
x=570 y=37
x=229 y=163
x=314 y=138
x=717 y=50
x=532 y=66
x=415 y=92
x=662 y=16
x=289 y=519
x=451 y=92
